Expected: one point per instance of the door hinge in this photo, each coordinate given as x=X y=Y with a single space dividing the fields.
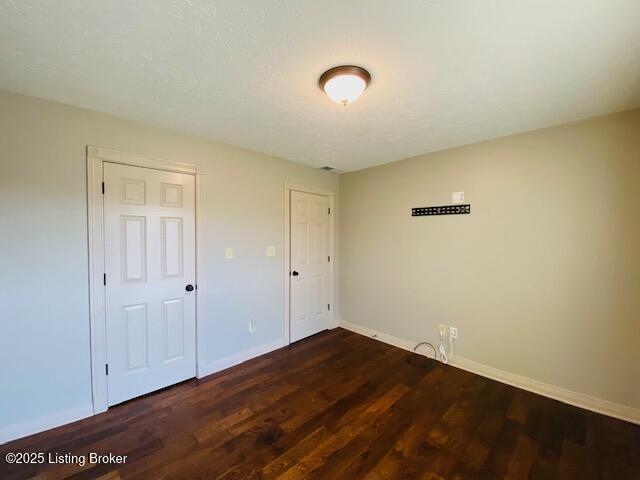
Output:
x=329 y=209
x=104 y=279
x=328 y=258
x=328 y=306
x=103 y=188
x=106 y=368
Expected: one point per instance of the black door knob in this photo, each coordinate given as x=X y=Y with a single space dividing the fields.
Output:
x=189 y=288
x=294 y=273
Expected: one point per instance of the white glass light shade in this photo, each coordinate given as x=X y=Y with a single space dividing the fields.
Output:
x=345 y=89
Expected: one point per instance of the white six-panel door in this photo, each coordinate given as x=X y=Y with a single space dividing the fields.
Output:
x=149 y=230
x=310 y=278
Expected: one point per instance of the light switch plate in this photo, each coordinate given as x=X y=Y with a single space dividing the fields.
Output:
x=457 y=197
x=228 y=253
x=271 y=251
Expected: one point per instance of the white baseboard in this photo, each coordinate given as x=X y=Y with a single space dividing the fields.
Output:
x=237 y=358
x=383 y=337
x=46 y=422
x=582 y=400
x=599 y=405
x=334 y=323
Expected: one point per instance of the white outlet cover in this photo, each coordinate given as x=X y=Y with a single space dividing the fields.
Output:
x=453 y=332
x=228 y=253
x=457 y=197
x=271 y=251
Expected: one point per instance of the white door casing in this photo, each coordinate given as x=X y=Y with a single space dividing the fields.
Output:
x=149 y=240
x=310 y=264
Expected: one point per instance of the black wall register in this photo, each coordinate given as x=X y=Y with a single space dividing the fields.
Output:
x=442 y=210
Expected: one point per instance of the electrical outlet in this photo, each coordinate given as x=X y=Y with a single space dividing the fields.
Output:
x=453 y=332
x=228 y=253
x=252 y=326
x=443 y=330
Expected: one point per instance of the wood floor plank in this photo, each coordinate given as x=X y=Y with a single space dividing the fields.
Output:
x=339 y=405
x=317 y=457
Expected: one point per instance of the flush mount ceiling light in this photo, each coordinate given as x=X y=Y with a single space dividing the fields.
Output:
x=344 y=84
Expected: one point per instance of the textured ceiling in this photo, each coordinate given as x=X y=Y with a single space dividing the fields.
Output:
x=445 y=73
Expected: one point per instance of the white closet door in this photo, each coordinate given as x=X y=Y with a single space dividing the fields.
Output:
x=150 y=279
x=310 y=264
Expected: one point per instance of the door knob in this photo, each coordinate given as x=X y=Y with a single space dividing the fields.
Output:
x=189 y=288
x=294 y=273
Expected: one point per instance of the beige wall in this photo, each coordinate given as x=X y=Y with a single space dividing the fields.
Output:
x=44 y=313
x=542 y=279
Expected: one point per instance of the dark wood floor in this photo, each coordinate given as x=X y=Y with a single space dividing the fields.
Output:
x=342 y=406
